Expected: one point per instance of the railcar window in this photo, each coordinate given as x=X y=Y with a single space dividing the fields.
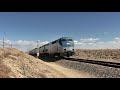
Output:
x=53 y=42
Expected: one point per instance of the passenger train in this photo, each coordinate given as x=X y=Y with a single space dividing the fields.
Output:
x=61 y=47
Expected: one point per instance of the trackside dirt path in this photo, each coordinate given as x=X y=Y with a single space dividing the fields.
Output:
x=69 y=73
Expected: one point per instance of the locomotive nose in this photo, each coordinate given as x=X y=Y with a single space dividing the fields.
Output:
x=68 y=49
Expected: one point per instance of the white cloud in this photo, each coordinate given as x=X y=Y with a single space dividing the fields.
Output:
x=22 y=44
x=117 y=39
x=78 y=43
x=89 y=43
x=75 y=41
x=89 y=39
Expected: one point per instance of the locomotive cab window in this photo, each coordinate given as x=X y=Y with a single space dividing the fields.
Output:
x=70 y=40
x=67 y=40
x=64 y=39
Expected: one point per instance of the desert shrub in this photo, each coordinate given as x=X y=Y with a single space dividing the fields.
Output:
x=101 y=53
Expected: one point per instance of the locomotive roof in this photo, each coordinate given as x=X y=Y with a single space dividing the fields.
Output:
x=66 y=38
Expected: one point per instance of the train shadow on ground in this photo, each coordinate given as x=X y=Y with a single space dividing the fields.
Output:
x=50 y=58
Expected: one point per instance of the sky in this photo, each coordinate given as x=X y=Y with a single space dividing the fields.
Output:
x=89 y=30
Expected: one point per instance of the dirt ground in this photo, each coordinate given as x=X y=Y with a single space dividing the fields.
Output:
x=69 y=73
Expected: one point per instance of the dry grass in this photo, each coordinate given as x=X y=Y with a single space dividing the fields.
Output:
x=101 y=54
x=16 y=64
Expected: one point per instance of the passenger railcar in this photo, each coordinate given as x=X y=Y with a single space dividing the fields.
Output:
x=34 y=52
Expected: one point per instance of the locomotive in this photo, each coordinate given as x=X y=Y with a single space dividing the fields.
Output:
x=61 y=47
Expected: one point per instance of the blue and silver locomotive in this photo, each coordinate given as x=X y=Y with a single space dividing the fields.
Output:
x=61 y=47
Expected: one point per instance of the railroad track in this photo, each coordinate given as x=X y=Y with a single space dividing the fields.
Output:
x=103 y=63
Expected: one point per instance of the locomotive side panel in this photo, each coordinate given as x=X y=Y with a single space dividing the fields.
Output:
x=51 y=48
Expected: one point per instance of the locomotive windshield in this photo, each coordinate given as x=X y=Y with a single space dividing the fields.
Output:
x=67 y=42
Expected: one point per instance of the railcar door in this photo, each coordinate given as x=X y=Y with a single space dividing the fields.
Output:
x=59 y=46
x=44 y=51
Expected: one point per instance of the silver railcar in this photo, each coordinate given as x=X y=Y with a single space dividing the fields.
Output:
x=34 y=52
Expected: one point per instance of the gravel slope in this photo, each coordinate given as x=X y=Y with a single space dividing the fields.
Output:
x=70 y=73
x=97 y=71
